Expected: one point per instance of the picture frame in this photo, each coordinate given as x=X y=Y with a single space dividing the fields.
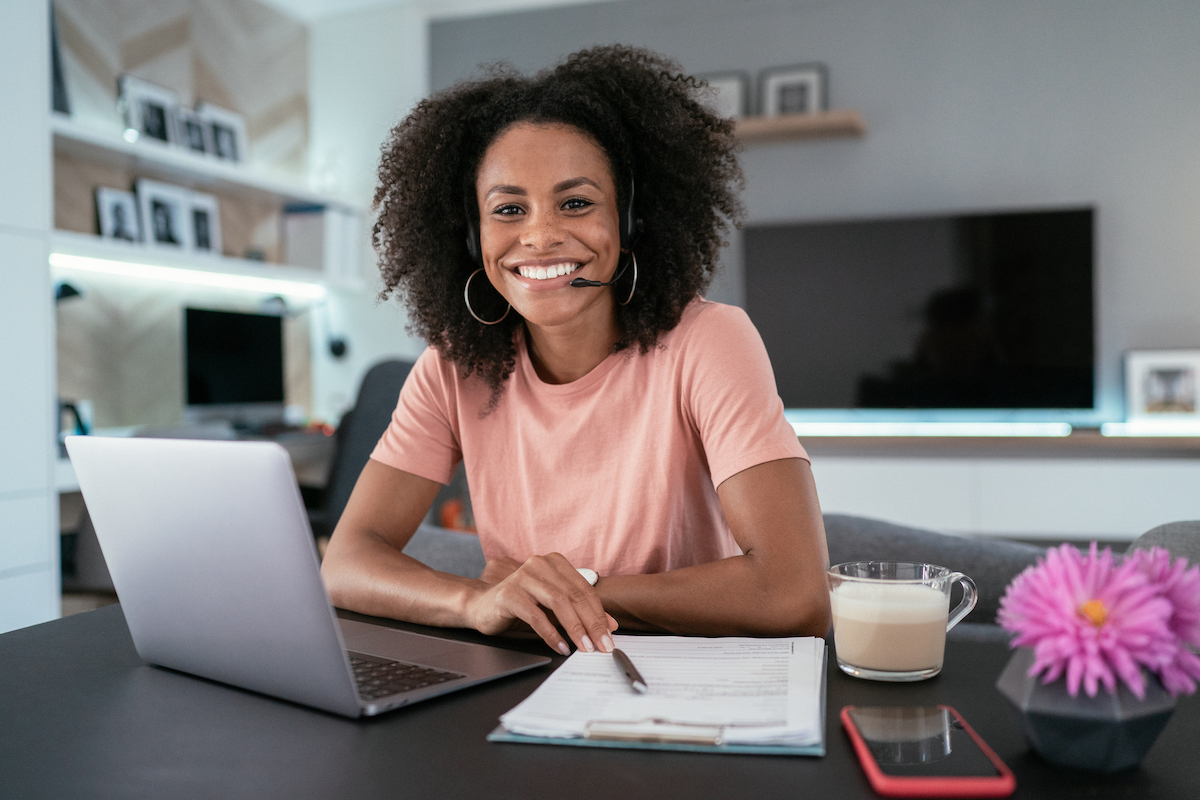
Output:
x=799 y=89
x=728 y=94
x=191 y=133
x=149 y=110
x=1162 y=385
x=117 y=215
x=165 y=210
x=226 y=132
x=204 y=218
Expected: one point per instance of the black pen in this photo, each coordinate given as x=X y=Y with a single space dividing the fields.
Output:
x=636 y=681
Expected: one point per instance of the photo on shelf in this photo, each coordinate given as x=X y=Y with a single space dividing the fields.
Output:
x=165 y=209
x=149 y=110
x=802 y=89
x=728 y=94
x=1162 y=384
x=205 y=219
x=190 y=131
x=60 y=101
x=226 y=132
x=117 y=215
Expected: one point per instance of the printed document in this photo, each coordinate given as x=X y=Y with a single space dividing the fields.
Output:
x=755 y=691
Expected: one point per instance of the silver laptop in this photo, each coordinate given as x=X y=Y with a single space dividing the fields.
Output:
x=210 y=552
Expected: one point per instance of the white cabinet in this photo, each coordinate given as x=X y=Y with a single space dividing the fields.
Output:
x=1064 y=492
x=25 y=100
x=1085 y=498
x=29 y=572
x=26 y=385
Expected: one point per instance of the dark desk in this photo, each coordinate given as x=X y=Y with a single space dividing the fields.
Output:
x=82 y=717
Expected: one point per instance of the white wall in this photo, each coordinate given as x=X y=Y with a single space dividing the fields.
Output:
x=368 y=68
x=29 y=561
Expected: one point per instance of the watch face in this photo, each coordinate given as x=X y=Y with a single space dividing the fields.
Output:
x=589 y=575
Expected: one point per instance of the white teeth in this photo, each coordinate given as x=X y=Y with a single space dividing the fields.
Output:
x=544 y=273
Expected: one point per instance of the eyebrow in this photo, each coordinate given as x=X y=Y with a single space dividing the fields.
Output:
x=570 y=183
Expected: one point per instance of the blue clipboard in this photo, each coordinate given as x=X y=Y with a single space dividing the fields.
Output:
x=638 y=743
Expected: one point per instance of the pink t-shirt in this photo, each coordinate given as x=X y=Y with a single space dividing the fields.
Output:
x=617 y=470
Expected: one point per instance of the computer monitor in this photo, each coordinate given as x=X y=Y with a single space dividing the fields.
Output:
x=233 y=367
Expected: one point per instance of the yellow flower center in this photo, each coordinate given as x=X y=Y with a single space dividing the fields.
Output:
x=1095 y=611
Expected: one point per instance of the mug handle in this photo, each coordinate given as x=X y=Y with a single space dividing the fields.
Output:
x=969 y=599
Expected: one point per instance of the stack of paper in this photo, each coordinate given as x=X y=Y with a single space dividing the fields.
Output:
x=750 y=691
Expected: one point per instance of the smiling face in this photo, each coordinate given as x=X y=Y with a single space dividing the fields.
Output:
x=548 y=215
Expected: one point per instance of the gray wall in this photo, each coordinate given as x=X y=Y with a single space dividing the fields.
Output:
x=970 y=105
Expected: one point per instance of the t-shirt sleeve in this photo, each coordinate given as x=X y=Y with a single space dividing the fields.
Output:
x=422 y=437
x=731 y=395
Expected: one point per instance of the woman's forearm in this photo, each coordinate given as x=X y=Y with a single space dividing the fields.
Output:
x=776 y=588
x=731 y=597
x=367 y=574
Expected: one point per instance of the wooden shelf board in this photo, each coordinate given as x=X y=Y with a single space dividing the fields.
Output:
x=826 y=124
x=166 y=162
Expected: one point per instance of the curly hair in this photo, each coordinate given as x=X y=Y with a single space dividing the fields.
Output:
x=642 y=111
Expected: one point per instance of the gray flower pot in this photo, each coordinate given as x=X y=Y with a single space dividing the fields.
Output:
x=1104 y=733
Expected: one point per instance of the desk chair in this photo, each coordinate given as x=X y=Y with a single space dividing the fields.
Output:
x=357 y=434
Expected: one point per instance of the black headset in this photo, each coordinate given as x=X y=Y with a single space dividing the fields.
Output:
x=631 y=228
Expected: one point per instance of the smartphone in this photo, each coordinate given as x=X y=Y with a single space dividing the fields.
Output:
x=924 y=751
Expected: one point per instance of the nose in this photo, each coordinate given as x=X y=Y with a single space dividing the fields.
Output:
x=541 y=230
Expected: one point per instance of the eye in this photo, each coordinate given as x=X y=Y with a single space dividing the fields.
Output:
x=577 y=203
x=508 y=210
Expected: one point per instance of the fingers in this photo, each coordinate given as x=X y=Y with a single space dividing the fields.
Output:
x=574 y=603
x=542 y=626
x=540 y=592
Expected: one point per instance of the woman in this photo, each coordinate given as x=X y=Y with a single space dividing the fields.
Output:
x=550 y=237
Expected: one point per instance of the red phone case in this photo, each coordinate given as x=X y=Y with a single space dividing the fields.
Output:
x=1001 y=785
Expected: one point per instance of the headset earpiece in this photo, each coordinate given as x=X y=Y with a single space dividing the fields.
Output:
x=474 y=249
x=631 y=225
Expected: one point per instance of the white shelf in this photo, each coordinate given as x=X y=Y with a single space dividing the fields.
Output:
x=93 y=247
x=153 y=159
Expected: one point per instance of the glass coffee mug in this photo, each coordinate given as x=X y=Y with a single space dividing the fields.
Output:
x=890 y=617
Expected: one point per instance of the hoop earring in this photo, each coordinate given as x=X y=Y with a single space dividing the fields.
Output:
x=632 y=288
x=467 y=298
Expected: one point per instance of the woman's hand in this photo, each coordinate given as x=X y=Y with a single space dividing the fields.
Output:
x=543 y=592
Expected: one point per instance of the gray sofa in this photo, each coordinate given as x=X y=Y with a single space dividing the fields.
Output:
x=991 y=563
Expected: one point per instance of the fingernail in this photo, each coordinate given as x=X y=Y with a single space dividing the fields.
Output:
x=607 y=643
x=562 y=648
x=587 y=644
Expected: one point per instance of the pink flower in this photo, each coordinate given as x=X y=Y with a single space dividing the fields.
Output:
x=1181 y=587
x=1091 y=619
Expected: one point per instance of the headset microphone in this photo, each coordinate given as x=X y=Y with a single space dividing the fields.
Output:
x=631 y=231
x=581 y=283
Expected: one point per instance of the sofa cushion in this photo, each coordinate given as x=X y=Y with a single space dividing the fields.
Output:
x=1179 y=538
x=447 y=551
x=991 y=563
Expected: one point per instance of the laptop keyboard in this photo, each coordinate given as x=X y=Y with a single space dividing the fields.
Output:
x=379 y=678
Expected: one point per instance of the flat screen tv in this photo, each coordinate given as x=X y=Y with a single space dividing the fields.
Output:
x=987 y=311
x=233 y=364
